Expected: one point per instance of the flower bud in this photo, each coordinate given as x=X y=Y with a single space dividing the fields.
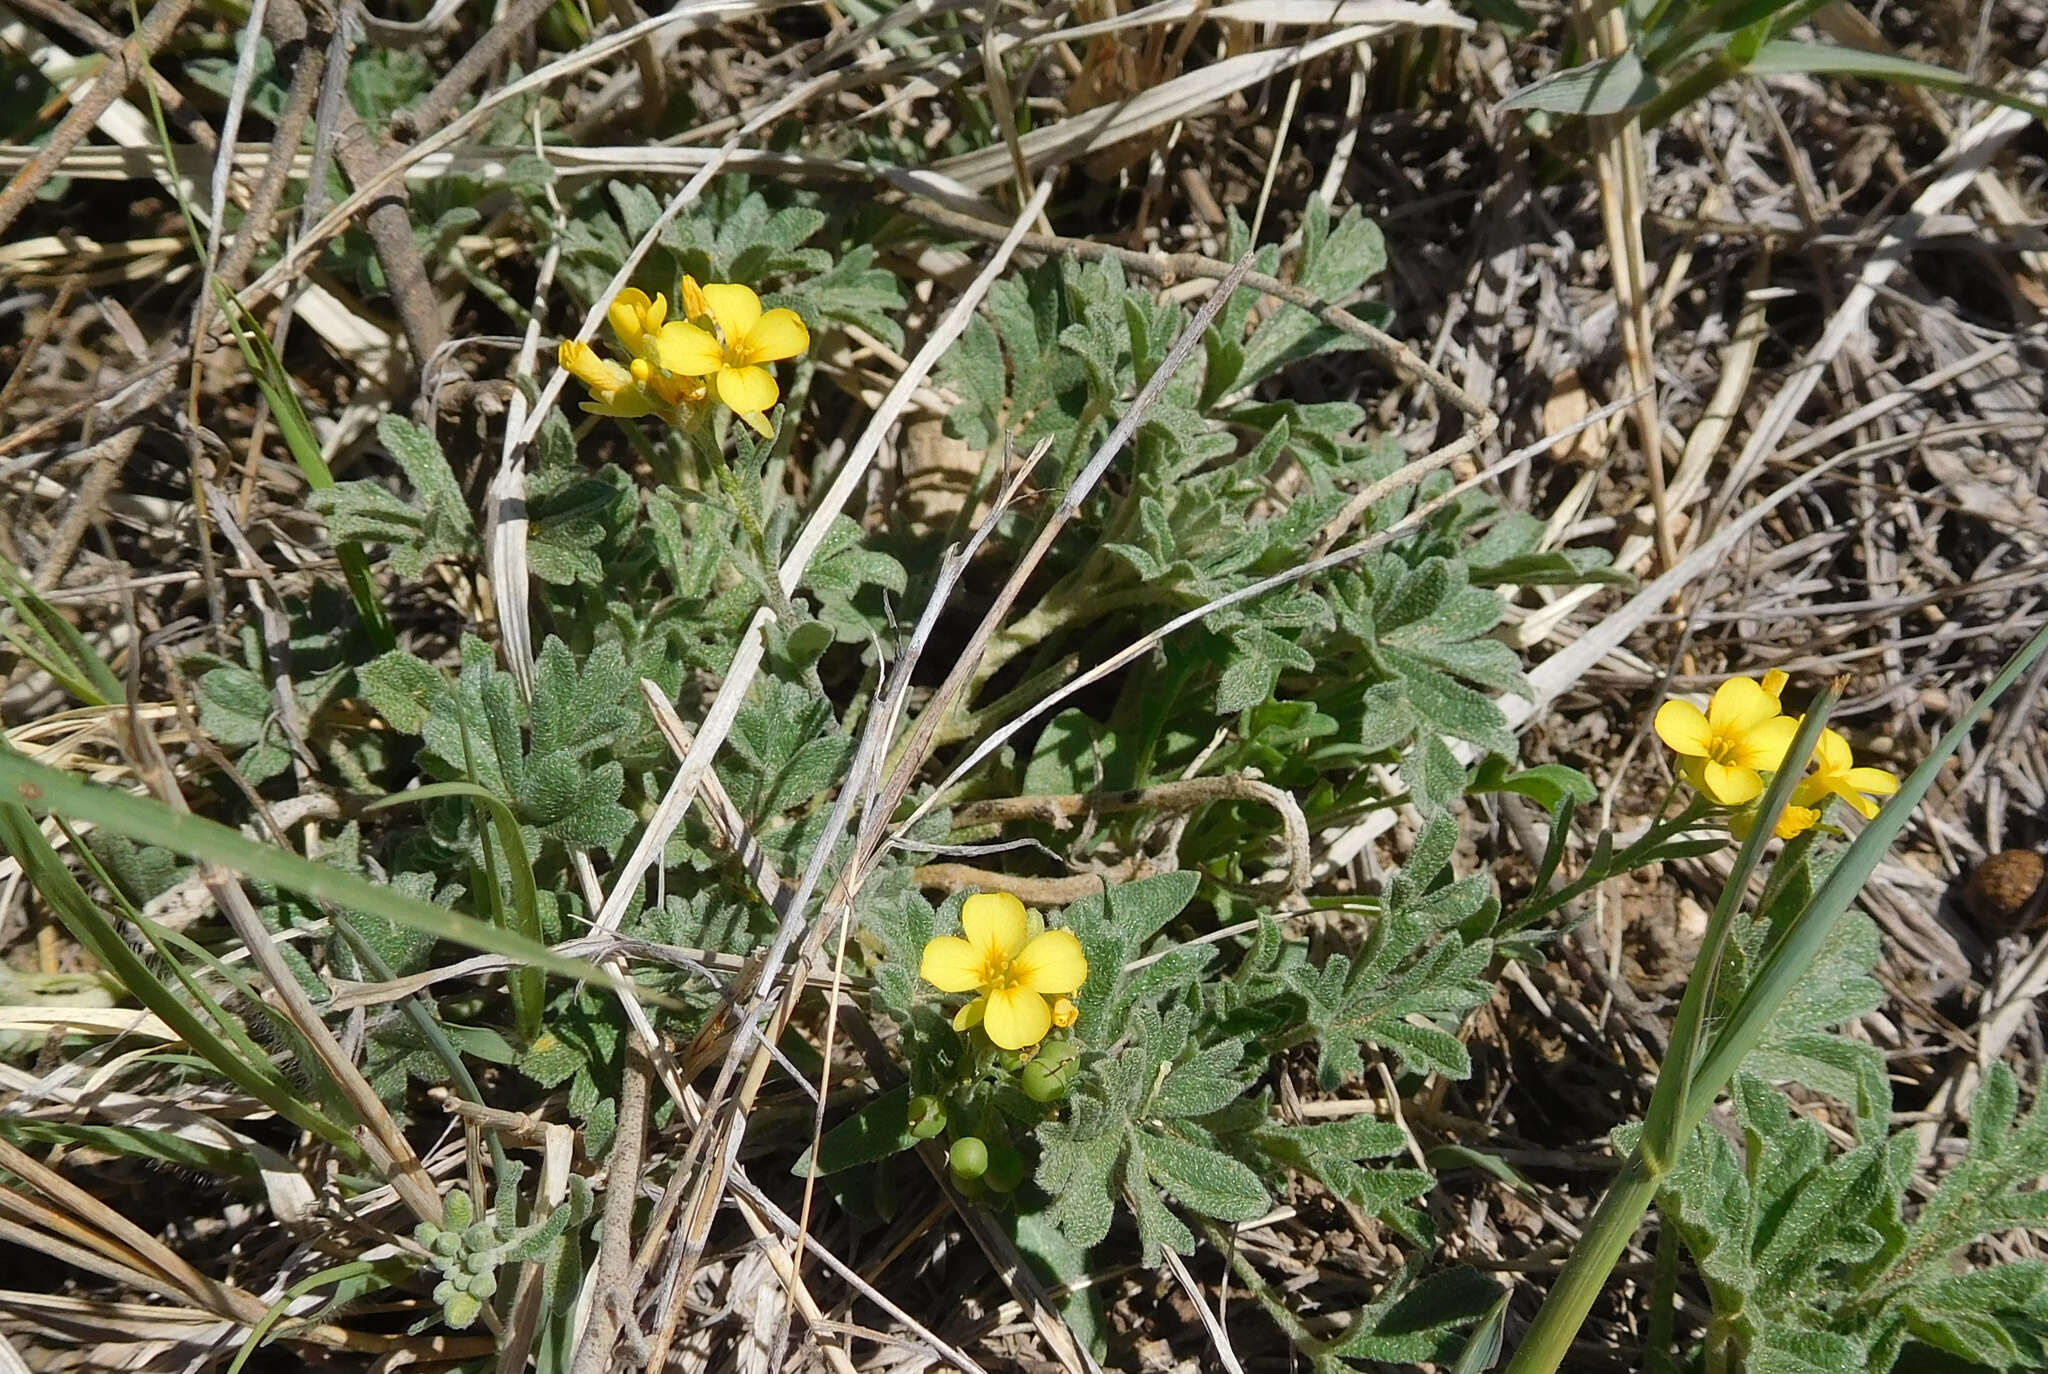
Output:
x=969 y=1157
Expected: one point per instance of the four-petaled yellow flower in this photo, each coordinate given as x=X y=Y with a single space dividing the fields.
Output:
x=746 y=337
x=1729 y=746
x=1835 y=774
x=1012 y=971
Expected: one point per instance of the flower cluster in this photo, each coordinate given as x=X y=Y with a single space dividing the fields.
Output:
x=1726 y=750
x=718 y=348
x=1012 y=972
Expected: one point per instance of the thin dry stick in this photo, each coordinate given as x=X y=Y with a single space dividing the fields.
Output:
x=108 y=85
x=1187 y=794
x=615 y=1248
x=1618 y=164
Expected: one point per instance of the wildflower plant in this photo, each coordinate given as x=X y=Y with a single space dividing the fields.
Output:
x=1077 y=1069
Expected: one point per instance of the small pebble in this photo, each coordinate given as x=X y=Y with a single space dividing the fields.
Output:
x=2003 y=891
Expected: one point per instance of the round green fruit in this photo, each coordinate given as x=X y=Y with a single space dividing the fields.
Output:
x=969 y=1157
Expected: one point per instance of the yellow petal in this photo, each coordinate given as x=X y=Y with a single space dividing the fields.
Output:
x=736 y=308
x=1739 y=706
x=1774 y=684
x=1796 y=821
x=628 y=314
x=970 y=1015
x=692 y=298
x=1684 y=727
x=1865 y=807
x=1875 y=781
x=600 y=374
x=684 y=348
x=1016 y=1017
x=1052 y=963
x=776 y=335
x=1730 y=786
x=995 y=924
x=1763 y=746
x=747 y=390
x=758 y=422
x=1834 y=753
x=951 y=964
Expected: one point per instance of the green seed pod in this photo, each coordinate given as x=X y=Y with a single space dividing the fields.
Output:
x=458 y=1211
x=1006 y=1169
x=1045 y=1082
x=1013 y=1060
x=461 y=1310
x=927 y=1116
x=484 y=1286
x=444 y=1291
x=481 y=1236
x=969 y=1157
x=480 y=1261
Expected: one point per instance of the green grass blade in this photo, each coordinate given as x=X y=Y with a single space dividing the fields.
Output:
x=528 y=992
x=386 y=1273
x=1792 y=57
x=46 y=791
x=134 y=1142
x=297 y=431
x=54 y=644
x=88 y=925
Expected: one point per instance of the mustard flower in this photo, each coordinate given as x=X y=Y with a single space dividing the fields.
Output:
x=1011 y=971
x=1727 y=747
x=745 y=338
x=1835 y=774
x=639 y=386
x=1793 y=822
x=613 y=388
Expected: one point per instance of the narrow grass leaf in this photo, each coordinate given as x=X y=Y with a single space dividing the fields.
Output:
x=1795 y=57
x=528 y=991
x=49 y=792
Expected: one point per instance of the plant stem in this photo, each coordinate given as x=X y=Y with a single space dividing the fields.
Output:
x=1549 y=1337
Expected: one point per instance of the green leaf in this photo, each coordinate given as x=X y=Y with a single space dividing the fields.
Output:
x=1608 y=86
x=1206 y=1180
x=1794 y=57
x=401 y=688
x=1422 y=1322
x=876 y=1131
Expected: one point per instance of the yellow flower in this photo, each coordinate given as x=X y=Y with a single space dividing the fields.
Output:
x=1795 y=821
x=1012 y=970
x=746 y=338
x=611 y=386
x=1728 y=746
x=1065 y=1013
x=1835 y=774
x=636 y=319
